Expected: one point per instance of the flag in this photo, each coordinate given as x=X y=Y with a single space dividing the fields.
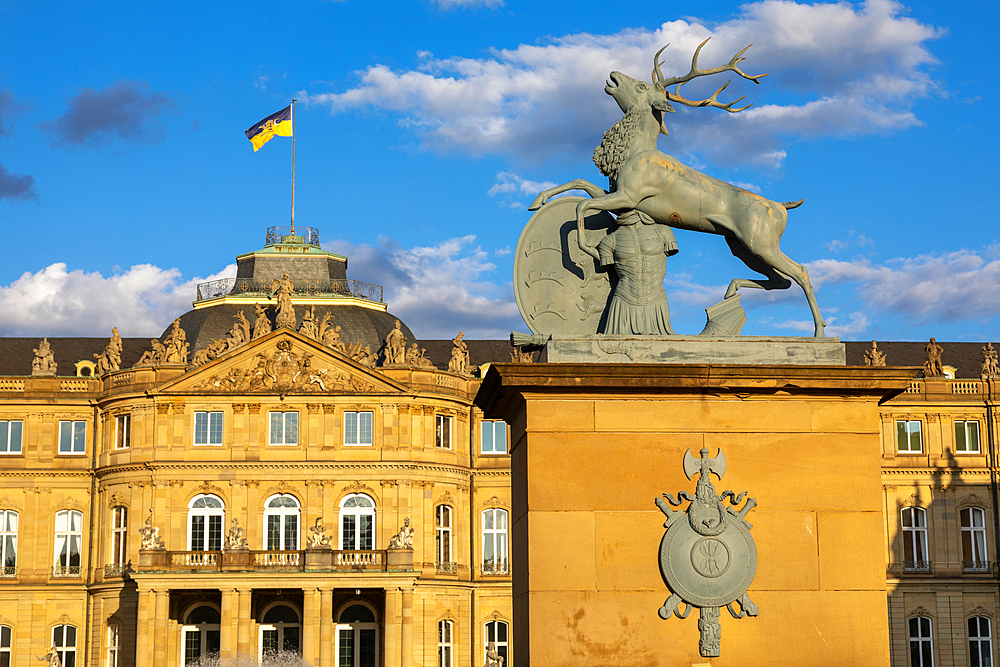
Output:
x=277 y=124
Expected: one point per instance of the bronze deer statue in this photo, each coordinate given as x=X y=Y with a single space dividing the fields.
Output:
x=644 y=179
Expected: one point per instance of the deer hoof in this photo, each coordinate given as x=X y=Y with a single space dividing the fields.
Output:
x=537 y=204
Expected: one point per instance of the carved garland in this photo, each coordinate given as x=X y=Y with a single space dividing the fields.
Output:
x=7 y=503
x=283 y=488
x=979 y=611
x=972 y=500
x=446 y=499
x=495 y=502
x=358 y=487
x=920 y=611
x=117 y=499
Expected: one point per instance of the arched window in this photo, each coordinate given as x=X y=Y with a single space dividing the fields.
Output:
x=64 y=641
x=445 y=645
x=6 y=641
x=357 y=523
x=980 y=644
x=496 y=640
x=114 y=644
x=495 y=542
x=974 y=540
x=119 y=539
x=281 y=523
x=8 y=543
x=69 y=543
x=442 y=539
x=915 y=557
x=279 y=630
x=357 y=637
x=206 y=515
x=921 y=643
x=200 y=634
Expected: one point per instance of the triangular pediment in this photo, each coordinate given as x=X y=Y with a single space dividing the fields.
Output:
x=283 y=362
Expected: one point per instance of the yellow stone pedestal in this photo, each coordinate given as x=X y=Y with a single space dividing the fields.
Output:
x=592 y=446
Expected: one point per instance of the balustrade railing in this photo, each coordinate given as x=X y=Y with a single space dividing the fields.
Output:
x=277 y=559
x=278 y=234
x=916 y=566
x=314 y=288
x=195 y=559
x=359 y=560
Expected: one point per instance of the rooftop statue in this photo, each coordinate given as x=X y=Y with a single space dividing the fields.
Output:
x=176 y=345
x=111 y=358
x=991 y=365
x=44 y=362
x=283 y=290
x=933 y=366
x=261 y=325
x=648 y=192
x=459 y=362
x=395 y=346
x=874 y=356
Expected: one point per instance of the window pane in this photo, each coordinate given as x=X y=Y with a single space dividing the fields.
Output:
x=65 y=436
x=273 y=532
x=487 y=432
x=277 y=432
x=366 y=428
x=350 y=428
x=269 y=641
x=960 y=436
x=367 y=648
x=367 y=537
x=500 y=437
x=79 y=437
x=216 y=428
x=291 y=532
x=197 y=533
x=215 y=533
x=349 y=536
x=973 y=437
x=291 y=428
x=345 y=656
x=15 y=436
x=291 y=640
x=902 y=437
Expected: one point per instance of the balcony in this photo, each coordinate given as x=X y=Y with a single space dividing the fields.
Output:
x=262 y=561
x=446 y=568
x=980 y=566
x=500 y=568
x=916 y=566
x=66 y=571
x=8 y=572
x=116 y=570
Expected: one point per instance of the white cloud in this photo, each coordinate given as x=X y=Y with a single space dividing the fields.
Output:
x=437 y=290
x=512 y=189
x=853 y=70
x=59 y=302
x=954 y=286
x=853 y=329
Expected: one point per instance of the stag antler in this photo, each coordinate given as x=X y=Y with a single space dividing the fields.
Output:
x=663 y=82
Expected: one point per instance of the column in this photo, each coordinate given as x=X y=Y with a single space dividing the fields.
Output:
x=243 y=622
x=143 y=635
x=326 y=626
x=162 y=615
x=406 y=635
x=227 y=631
x=310 y=624
x=393 y=607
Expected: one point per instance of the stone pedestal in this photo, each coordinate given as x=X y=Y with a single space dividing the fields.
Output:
x=399 y=559
x=592 y=447
x=319 y=558
x=153 y=559
x=236 y=559
x=749 y=350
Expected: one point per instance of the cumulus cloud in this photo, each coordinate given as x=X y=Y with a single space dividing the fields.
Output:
x=437 y=290
x=845 y=70
x=954 y=286
x=126 y=110
x=512 y=189
x=15 y=186
x=57 y=301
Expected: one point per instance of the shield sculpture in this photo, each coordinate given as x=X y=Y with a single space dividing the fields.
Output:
x=709 y=559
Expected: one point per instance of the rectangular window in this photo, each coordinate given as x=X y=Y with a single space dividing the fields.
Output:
x=10 y=437
x=207 y=428
x=284 y=428
x=444 y=644
x=72 y=437
x=442 y=437
x=358 y=428
x=967 y=437
x=8 y=544
x=123 y=431
x=908 y=436
x=494 y=437
x=119 y=537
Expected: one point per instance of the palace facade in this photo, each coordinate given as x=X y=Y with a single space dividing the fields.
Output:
x=242 y=488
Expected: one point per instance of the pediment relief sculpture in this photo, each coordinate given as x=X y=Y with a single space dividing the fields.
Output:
x=238 y=336
x=44 y=363
x=283 y=370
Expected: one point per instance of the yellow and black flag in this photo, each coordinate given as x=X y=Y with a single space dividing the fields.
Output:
x=276 y=125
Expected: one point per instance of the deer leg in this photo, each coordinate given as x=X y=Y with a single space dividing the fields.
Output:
x=783 y=263
x=578 y=184
x=774 y=279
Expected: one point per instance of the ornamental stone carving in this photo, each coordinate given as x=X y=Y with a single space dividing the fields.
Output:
x=459 y=356
x=991 y=367
x=319 y=539
x=261 y=325
x=156 y=355
x=283 y=291
x=404 y=538
x=493 y=657
x=395 y=346
x=176 y=345
x=415 y=357
x=44 y=363
x=707 y=555
x=150 y=535
x=933 y=366
x=111 y=358
x=874 y=356
x=234 y=537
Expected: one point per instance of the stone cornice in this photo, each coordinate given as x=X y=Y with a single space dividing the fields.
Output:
x=305 y=467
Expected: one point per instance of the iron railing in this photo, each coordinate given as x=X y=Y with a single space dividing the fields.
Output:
x=975 y=566
x=66 y=571
x=916 y=566
x=8 y=572
x=496 y=568
x=115 y=570
x=309 y=235
x=314 y=288
x=446 y=568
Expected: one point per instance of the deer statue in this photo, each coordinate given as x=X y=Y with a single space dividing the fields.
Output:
x=642 y=178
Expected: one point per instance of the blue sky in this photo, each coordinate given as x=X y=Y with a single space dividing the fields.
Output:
x=425 y=128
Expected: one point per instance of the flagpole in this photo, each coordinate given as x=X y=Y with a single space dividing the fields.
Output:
x=293 y=167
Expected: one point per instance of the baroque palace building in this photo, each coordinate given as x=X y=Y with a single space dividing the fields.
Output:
x=239 y=487
x=247 y=483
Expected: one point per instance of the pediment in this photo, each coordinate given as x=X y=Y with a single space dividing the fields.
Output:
x=283 y=362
